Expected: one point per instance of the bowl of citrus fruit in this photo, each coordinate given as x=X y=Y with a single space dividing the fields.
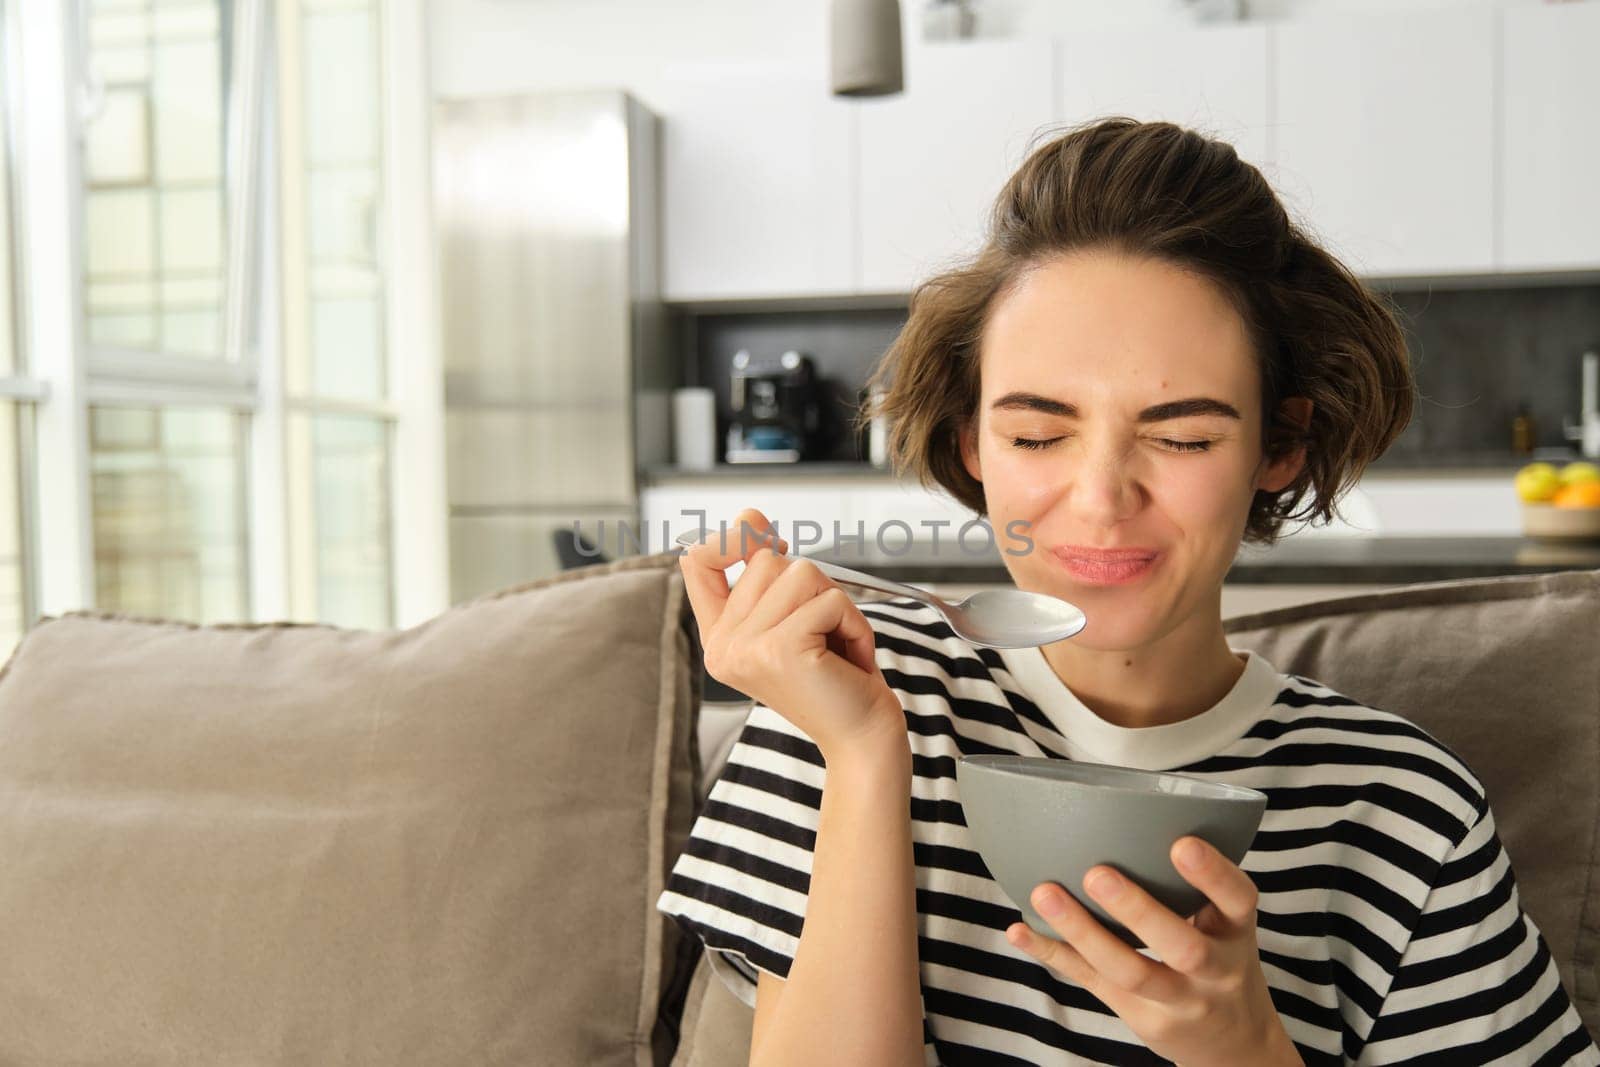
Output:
x=1560 y=503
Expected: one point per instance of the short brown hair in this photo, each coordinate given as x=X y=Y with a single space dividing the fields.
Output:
x=1159 y=190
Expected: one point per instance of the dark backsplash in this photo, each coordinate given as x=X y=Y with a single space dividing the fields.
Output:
x=1479 y=353
x=1476 y=353
x=843 y=345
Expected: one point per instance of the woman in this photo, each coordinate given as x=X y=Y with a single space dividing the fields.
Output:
x=1146 y=364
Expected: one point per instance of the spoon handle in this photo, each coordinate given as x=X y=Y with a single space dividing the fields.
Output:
x=838 y=573
x=871 y=581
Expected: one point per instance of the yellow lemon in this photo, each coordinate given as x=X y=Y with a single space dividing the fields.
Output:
x=1537 y=482
x=1581 y=471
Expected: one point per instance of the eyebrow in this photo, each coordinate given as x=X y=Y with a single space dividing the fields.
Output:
x=1172 y=409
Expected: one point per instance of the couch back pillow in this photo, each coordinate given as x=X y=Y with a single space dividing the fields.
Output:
x=300 y=844
x=1506 y=672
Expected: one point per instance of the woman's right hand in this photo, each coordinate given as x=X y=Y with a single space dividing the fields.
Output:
x=788 y=636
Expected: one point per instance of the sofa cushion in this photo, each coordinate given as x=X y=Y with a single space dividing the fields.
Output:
x=299 y=844
x=1506 y=672
x=717 y=1026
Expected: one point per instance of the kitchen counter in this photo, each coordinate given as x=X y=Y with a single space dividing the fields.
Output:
x=1386 y=527
x=1303 y=560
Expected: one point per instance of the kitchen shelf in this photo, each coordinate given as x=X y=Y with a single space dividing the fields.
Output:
x=1479 y=462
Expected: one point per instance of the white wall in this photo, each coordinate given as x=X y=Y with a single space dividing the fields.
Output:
x=488 y=46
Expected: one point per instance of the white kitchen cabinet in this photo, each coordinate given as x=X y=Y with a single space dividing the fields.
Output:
x=1385 y=139
x=934 y=158
x=1550 y=95
x=757 y=185
x=1214 y=79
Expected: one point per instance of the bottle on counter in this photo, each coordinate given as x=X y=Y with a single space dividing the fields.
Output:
x=1522 y=433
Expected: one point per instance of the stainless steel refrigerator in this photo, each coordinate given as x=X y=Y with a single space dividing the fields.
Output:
x=555 y=378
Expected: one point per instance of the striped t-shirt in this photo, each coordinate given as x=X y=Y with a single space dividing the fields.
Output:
x=1388 y=920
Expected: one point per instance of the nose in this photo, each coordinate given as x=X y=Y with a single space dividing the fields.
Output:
x=1104 y=486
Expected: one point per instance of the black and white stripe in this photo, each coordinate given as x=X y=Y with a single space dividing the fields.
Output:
x=1388 y=922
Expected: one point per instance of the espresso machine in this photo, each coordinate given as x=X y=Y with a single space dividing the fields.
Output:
x=777 y=409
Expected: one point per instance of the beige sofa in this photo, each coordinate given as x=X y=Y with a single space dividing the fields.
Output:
x=295 y=844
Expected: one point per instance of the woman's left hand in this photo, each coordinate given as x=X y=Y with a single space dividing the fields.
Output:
x=1205 y=1001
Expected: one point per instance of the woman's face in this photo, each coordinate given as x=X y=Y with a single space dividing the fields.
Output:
x=1120 y=410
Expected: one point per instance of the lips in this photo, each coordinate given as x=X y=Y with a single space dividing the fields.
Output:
x=1106 y=566
x=1103 y=555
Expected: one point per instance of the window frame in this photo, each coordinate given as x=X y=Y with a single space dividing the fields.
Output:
x=121 y=376
x=412 y=408
x=294 y=306
x=72 y=376
x=240 y=414
x=238 y=363
x=18 y=386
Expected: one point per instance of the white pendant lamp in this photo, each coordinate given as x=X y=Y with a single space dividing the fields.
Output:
x=866 y=48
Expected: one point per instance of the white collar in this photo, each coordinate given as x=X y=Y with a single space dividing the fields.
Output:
x=1156 y=748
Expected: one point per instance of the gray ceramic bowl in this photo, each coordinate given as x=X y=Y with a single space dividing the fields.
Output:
x=1041 y=819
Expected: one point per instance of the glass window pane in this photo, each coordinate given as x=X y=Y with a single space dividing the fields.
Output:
x=333 y=165
x=154 y=197
x=340 y=512
x=349 y=327
x=120 y=313
x=186 y=95
x=169 y=512
x=122 y=235
x=120 y=150
x=341 y=69
x=191 y=233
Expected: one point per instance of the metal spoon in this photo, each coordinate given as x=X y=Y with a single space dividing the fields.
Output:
x=995 y=618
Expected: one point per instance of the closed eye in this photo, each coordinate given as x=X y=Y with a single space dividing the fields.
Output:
x=1034 y=444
